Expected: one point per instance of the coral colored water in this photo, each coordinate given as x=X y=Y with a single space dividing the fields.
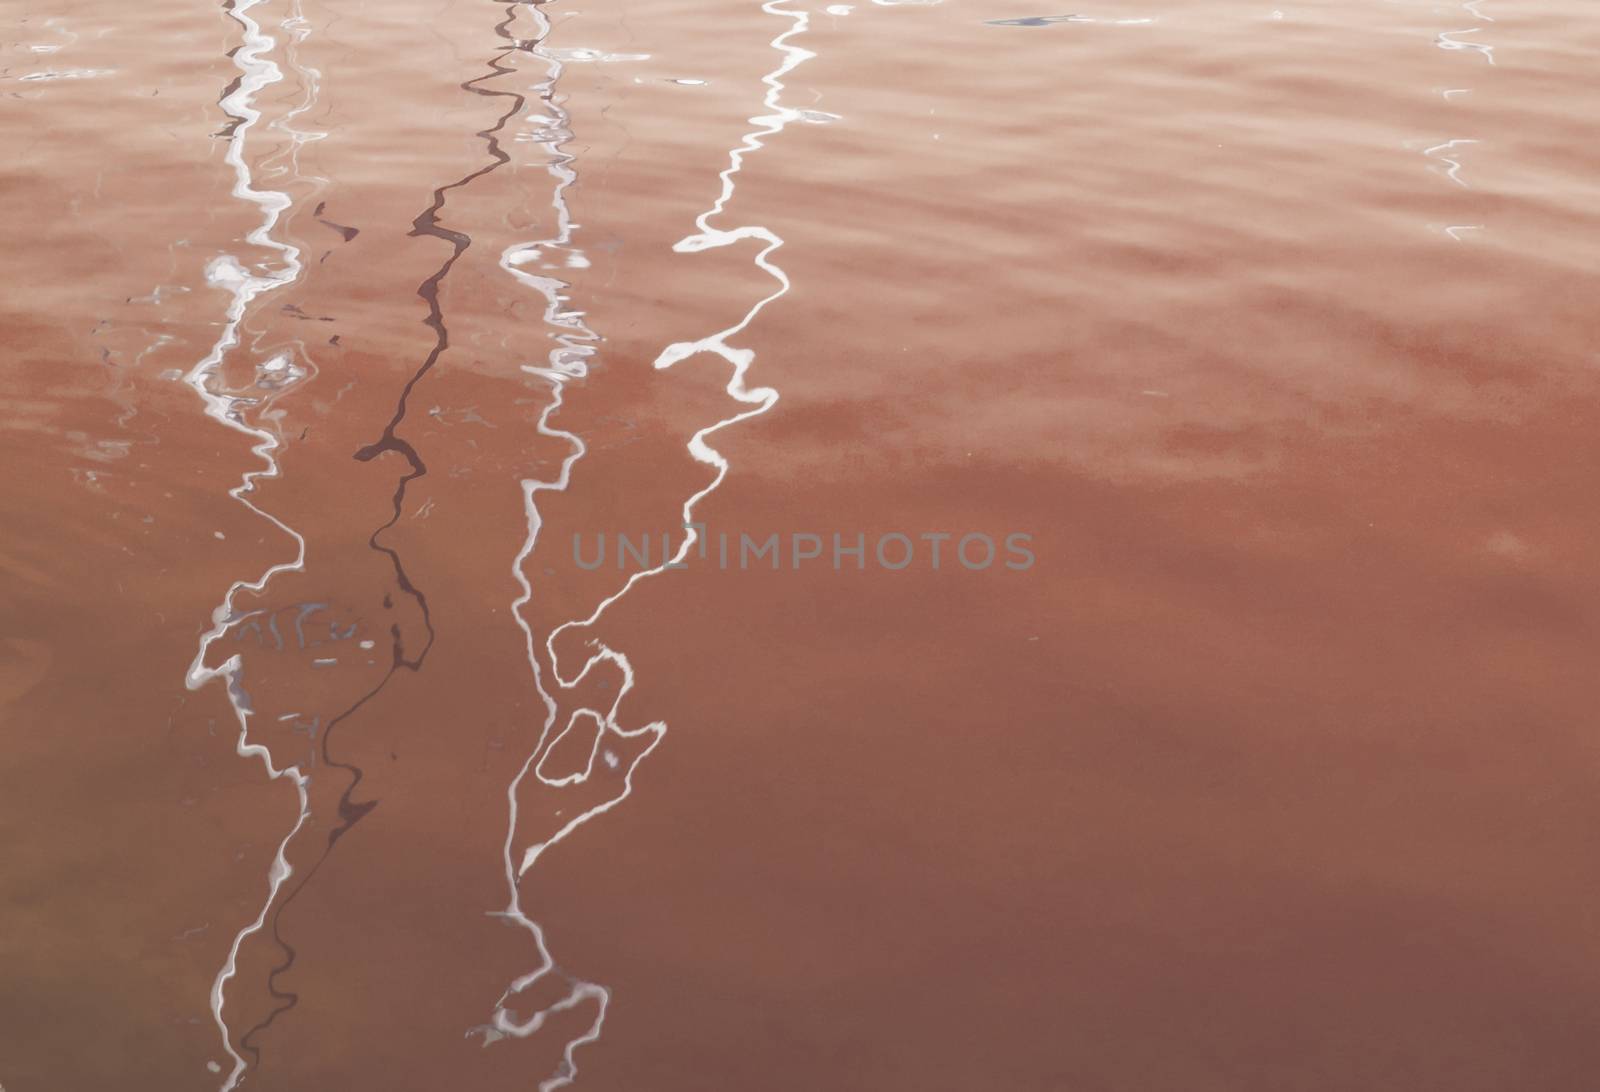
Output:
x=712 y=546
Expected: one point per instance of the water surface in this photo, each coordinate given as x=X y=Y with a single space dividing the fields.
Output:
x=331 y=327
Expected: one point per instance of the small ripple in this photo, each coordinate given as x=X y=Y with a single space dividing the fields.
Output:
x=66 y=74
x=1446 y=41
x=1051 y=20
x=1452 y=166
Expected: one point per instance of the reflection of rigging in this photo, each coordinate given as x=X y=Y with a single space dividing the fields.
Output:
x=257 y=72
x=621 y=749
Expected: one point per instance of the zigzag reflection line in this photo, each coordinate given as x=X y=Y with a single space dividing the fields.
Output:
x=1445 y=41
x=257 y=71
x=1452 y=169
x=574 y=345
x=566 y=363
x=760 y=399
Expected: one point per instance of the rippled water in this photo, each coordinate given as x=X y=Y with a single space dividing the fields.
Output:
x=1237 y=361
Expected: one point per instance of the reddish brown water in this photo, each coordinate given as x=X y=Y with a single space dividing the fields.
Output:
x=331 y=326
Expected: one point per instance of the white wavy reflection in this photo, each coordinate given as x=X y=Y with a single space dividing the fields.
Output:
x=1452 y=166
x=257 y=71
x=569 y=361
x=1447 y=40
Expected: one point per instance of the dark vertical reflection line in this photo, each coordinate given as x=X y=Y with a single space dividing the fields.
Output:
x=426 y=223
